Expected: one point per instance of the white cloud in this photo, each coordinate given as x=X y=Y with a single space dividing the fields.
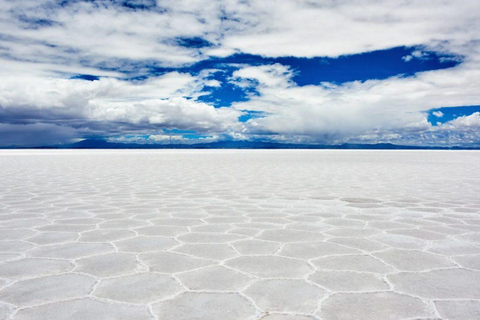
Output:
x=341 y=112
x=174 y=112
x=43 y=44
x=46 y=93
x=155 y=102
x=464 y=122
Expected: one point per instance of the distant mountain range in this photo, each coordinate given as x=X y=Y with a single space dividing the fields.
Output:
x=102 y=144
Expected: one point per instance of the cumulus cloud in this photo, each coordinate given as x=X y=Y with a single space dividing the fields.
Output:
x=153 y=104
x=465 y=122
x=341 y=112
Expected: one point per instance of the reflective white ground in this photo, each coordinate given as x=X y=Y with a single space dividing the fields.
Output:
x=274 y=235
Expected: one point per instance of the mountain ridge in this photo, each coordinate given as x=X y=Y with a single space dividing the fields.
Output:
x=102 y=144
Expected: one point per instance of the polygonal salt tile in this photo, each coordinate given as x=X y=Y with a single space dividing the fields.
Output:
x=31 y=223
x=352 y=263
x=29 y=268
x=251 y=247
x=420 y=234
x=145 y=244
x=4 y=282
x=201 y=306
x=258 y=225
x=123 y=224
x=84 y=309
x=388 y=225
x=458 y=310
x=67 y=228
x=284 y=235
x=446 y=230
x=67 y=213
x=222 y=220
x=53 y=237
x=268 y=219
x=357 y=243
x=444 y=219
x=150 y=216
x=246 y=232
x=189 y=214
x=312 y=227
x=342 y=222
x=285 y=295
x=16 y=234
x=373 y=217
x=158 y=231
x=209 y=237
x=439 y=284
x=372 y=306
x=221 y=228
x=139 y=288
x=348 y=281
x=401 y=241
x=79 y=221
x=285 y=317
x=466 y=227
x=14 y=246
x=171 y=263
x=177 y=222
x=365 y=205
x=314 y=250
x=70 y=250
x=5 y=311
x=353 y=232
x=14 y=216
x=214 y=278
x=106 y=235
x=4 y=257
x=114 y=216
x=469 y=261
x=360 y=200
x=208 y=251
x=108 y=265
x=413 y=260
x=47 y=289
x=454 y=247
x=270 y=266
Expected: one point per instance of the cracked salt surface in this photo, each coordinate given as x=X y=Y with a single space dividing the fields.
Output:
x=235 y=234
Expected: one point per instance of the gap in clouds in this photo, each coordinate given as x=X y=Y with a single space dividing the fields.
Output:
x=374 y=65
x=443 y=115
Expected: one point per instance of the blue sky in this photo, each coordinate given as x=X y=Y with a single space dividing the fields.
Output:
x=316 y=72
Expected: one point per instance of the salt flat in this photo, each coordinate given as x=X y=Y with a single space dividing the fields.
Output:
x=274 y=235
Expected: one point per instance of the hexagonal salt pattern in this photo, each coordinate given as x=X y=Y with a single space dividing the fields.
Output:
x=200 y=306
x=47 y=289
x=285 y=295
x=84 y=309
x=373 y=306
x=231 y=234
x=139 y=288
